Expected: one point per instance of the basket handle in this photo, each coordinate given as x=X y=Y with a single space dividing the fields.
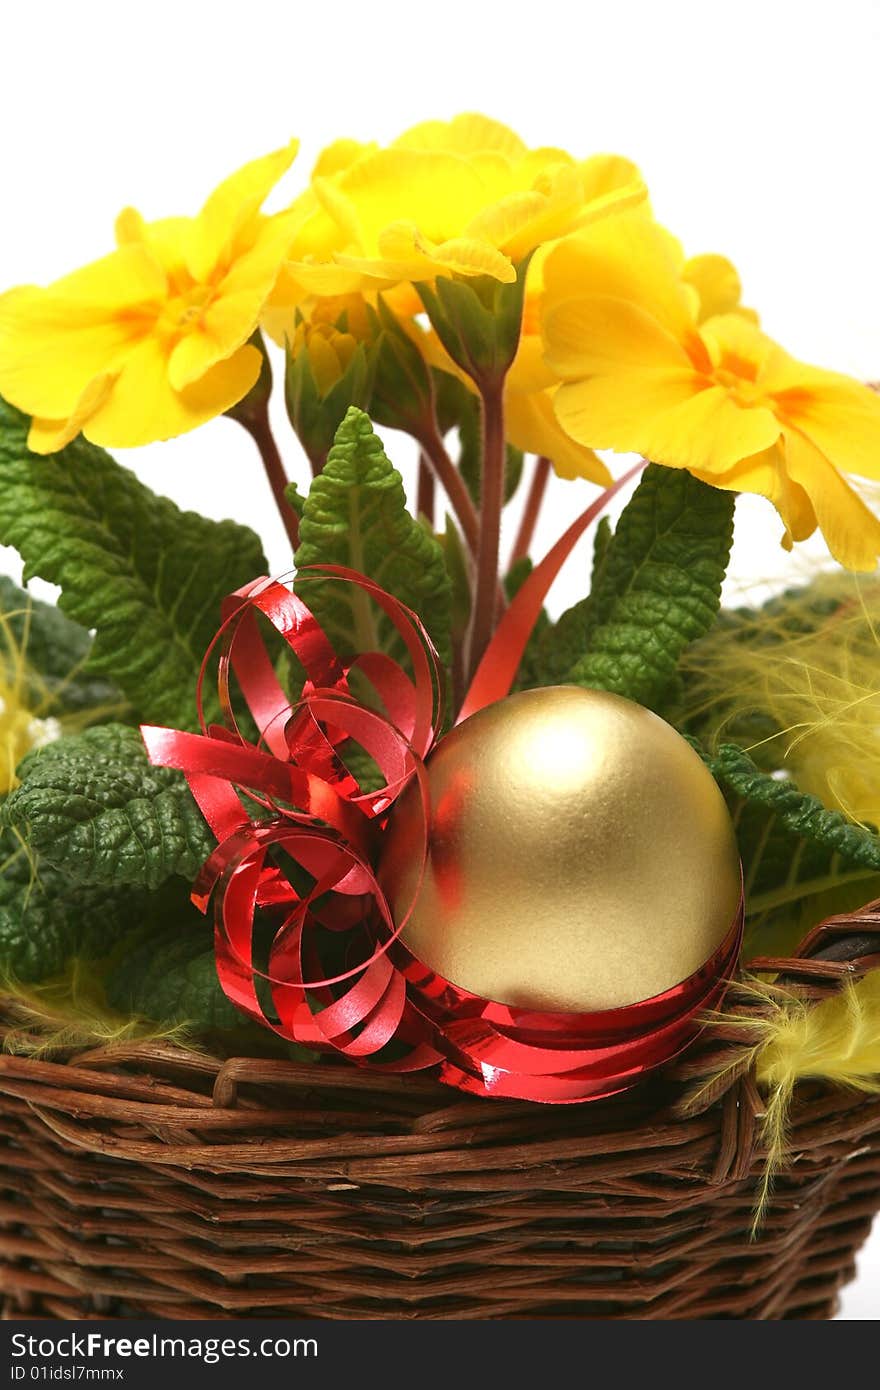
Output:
x=843 y=947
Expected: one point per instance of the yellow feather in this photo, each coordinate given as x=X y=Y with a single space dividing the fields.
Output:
x=68 y=1013
x=836 y=1041
x=804 y=679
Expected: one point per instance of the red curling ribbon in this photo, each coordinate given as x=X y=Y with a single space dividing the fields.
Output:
x=275 y=928
x=501 y=660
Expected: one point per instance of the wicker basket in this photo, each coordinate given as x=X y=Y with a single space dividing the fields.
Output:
x=149 y=1181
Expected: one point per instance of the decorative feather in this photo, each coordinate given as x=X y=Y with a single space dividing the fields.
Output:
x=797 y=683
x=69 y=1013
x=836 y=1041
x=24 y=719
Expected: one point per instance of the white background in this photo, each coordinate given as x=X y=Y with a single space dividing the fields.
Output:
x=756 y=125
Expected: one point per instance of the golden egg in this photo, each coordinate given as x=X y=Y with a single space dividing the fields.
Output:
x=581 y=856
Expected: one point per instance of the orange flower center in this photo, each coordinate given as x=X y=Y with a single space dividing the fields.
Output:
x=738 y=375
x=184 y=312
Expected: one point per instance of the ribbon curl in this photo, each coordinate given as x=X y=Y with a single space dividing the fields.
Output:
x=294 y=886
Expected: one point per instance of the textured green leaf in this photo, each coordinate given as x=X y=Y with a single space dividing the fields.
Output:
x=800 y=860
x=356 y=515
x=561 y=644
x=92 y=804
x=146 y=576
x=56 y=649
x=798 y=812
x=171 y=978
x=45 y=918
x=458 y=569
x=658 y=585
x=601 y=543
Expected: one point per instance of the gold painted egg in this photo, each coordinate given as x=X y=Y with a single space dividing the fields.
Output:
x=581 y=856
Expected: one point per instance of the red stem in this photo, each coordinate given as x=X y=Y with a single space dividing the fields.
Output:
x=491 y=504
x=425 y=494
x=523 y=543
x=260 y=431
x=428 y=437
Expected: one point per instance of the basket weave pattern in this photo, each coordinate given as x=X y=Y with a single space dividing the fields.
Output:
x=150 y=1181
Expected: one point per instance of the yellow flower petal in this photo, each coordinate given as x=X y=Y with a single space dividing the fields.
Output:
x=232 y=312
x=740 y=348
x=468 y=133
x=713 y=432
x=518 y=223
x=48 y=436
x=404 y=254
x=438 y=192
x=718 y=285
x=338 y=156
x=530 y=370
x=850 y=528
x=54 y=341
x=766 y=475
x=839 y=415
x=599 y=334
x=231 y=208
x=166 y=239
x=665 y=416
x=531 y=425
x=143 y=406
x=621 y=412
x=626 y=257
x=606 y=173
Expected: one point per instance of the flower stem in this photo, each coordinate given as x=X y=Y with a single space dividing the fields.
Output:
x=491 y=504
x=260 y=431
x=425 y=492
x=538 y=486
x=427 y=436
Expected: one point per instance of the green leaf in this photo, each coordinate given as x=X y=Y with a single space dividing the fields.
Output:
x=93 y=805
x=601 y=544
x=459 y=578
x=554 y=648
x=146 y=576
x=45 y=918
x=56 y=649
x=797 y=811
x=658 y=585
x=356 y=515
x=800 y=860
x=171 y=978
x=562 y=644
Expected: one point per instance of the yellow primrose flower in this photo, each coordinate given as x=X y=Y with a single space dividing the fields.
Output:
x=530 y=386
x=464 y=197
x=642 y=374
x=151 y=340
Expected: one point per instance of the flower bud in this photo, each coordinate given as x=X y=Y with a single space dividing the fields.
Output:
x=328 y=370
